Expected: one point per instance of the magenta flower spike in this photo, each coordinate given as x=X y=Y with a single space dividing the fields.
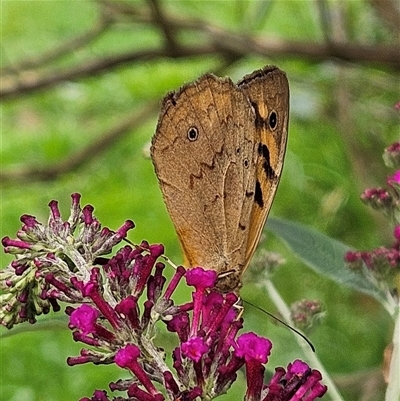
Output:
x=116 y=304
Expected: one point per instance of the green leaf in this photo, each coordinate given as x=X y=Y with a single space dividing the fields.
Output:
x=323 y=254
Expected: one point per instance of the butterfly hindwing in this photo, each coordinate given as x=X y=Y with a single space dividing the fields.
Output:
x=268 y=93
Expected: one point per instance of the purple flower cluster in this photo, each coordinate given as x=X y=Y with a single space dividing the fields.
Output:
x=382 y=264
x=122 y=300
x=387 y=200
x=306 y=314
x=47 y=257
x=391 y=156
x=380 y=199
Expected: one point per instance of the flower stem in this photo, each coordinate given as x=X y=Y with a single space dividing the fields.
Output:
x=393 y=389
x=309 y=354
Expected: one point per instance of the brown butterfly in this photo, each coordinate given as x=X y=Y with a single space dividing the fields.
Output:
x=218 y=154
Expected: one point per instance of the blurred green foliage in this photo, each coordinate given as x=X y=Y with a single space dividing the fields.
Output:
x=342 y=116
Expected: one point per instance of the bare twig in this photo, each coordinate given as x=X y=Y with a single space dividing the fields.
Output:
x=84 y=156
x=61 y=50
x=213 y=41
x=223 y=43
x=32 y=81
x=165 y=26
x=324 y=16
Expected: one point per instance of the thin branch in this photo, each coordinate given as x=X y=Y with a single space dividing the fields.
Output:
x=164 y=25
x=61 y=50
x=326 y=23
x=218 y=42
x=85 y=155
x=34 y=81
x=315 y=52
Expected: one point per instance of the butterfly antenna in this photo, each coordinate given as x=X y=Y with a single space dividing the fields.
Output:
x=285 y=324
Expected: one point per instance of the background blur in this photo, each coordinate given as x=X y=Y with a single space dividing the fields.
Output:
x=81 y=86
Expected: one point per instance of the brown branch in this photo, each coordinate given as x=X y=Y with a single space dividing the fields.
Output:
x=325 y=20
x=315 y=52
x=61 y=50
x=165 y=26
x=225 y=44
x=386 y=55
x=218 y=42
x=85 y=155
x=12 y=88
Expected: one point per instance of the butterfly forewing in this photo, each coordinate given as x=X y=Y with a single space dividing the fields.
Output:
x=202 y=178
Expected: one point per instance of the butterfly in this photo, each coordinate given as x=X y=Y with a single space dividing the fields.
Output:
x=218 y=153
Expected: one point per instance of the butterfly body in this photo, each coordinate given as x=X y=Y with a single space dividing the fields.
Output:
x=218 y=154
